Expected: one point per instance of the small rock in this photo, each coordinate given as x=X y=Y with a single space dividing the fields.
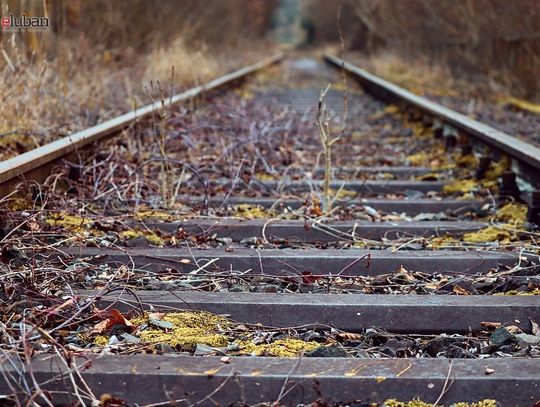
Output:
x=394 y=347
x=161 y=323
x=113 y=340
x=312 y=336
x=139 y=241
x=501 y=337
x=130 y=338
x=532 y=339
x=165 y=348
x=270 y=288
x=361 y=353
x=239 y=288
x=227 y=241
x=249 y=241
x=204 y=350
x=332 y=351
x=489 y=371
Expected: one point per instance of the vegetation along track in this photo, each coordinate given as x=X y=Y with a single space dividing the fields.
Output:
x=274 y=241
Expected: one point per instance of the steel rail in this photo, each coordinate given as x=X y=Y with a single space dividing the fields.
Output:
x=26 y=163
x=518 y=149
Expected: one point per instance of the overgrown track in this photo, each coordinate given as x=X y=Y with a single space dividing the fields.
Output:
x=195 y=259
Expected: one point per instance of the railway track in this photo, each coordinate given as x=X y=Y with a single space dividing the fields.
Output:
x=189 y=256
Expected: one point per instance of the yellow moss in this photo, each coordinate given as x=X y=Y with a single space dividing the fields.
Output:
x=184 y=337
x=245 y=93
x=391 y=109
x=386 y=175
x=429 y=176
x=461 y=186
x=536 y=291
x=419 y=403
x=419 y=130
x=412 y=403
x=483 y=403
x=513 y=212
x=100 y=340
x=466 y=161
x=247 y=211
x=489 y=234
x=342 y=193
x=154 y=214
x=360 y=243
x=18 y=204
x=189 y=328
x=151 y=237
x=262 y=176
x=493 y=185
x=70 y=222
x=286 y=348
x=442 y=241
x=497 y=169
x=418 y=158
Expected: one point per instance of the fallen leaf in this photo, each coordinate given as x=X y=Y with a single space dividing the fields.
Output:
x=156 y=315
x=115 y=318
x=459 y=290
x=107 y=400
x=33 y=225
x=309 y=278
x=491 y=325
x=513 y=329
x=349 y=336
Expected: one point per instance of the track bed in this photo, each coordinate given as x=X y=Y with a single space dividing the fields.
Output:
x=197 y=259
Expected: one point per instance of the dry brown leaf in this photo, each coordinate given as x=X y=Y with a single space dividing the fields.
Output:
x=491 y=325
x=115 y=318
x=349 y=336
x=156 y=315
x=513 y=329
x=33 y=225
x=459 y=290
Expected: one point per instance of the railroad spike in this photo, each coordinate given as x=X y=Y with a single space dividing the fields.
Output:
x=509 y=185
x=483 y=166
x=533 y=213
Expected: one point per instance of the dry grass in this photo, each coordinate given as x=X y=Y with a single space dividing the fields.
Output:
x=103 y=58
x=423 y=77
x=491 y=42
